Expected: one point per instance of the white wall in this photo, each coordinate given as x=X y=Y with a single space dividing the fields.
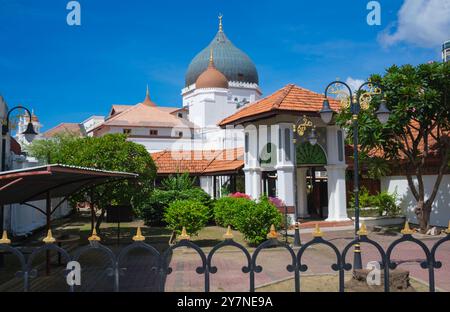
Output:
x=440 y=214
x=22 y=219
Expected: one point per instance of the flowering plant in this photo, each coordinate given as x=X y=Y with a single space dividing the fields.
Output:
x=276 y=202
x=240 y=195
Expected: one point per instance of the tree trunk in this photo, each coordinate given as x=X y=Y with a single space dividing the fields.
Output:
x=100 y=220
x=423 y=212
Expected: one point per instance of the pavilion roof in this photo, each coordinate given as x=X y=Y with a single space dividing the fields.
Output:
x=30 y=184
x=289 y=99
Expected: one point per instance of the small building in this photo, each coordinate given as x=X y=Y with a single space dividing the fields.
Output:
x=276 y=162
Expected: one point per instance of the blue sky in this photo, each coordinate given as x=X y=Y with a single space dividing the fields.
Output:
x=68 y=73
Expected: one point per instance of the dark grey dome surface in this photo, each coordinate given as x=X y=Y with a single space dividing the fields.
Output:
x=229 y=60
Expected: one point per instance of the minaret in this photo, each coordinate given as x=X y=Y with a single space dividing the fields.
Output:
x=446 y=51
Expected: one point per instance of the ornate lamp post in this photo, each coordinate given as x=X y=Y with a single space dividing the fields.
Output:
x=29 y=132
x=361 y=99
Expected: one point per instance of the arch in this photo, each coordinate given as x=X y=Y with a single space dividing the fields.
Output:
x=308 y=154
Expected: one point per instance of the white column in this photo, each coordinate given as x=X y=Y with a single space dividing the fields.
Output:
x=256 y=183
x=285 y=177
x=337 y=203
x=302 y=201
x=252 y=168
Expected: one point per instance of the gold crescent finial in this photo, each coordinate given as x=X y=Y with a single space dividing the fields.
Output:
x=220 y=22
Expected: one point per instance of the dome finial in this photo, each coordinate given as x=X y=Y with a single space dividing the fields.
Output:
x=147 y=94
x=220 y=22
x=211 y=57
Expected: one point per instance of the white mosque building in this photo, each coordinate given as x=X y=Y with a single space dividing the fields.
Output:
x=222 y=82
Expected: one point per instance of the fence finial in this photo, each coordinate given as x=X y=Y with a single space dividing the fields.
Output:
x=317 y=232
x=138 y=237
x=406 y=230
x=228 y=234
x=448 y=229
x=363 y=230
x=94 y=236
x=5 y=240
x=273 y=232
x=184 y=235
x=49 y=239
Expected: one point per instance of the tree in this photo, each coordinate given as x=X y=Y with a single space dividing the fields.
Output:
x=109 y=152
x=416 y=136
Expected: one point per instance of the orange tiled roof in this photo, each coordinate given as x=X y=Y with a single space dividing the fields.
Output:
x=65 y=127
x=289 y=98
x=199 y=162
x=143 y=115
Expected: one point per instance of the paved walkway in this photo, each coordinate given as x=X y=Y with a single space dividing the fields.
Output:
x=139 y=276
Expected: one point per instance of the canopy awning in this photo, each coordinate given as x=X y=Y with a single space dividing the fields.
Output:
x=30 y=184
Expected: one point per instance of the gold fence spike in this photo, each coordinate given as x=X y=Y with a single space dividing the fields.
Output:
x=362 y=230
x=317 y=232
x=273 y=233
x=448 y=229
x=94 y=236
x=228 y=234
x=138 y=237
x=49 y=239
x=406 y=230
x=184 y=235
x=5 y=240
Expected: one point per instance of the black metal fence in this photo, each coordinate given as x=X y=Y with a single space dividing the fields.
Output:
x=296 y=267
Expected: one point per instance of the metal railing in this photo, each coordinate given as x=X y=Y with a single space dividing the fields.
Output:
x=162 y=264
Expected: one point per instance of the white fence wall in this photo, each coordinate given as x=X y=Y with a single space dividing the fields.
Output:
x=440 y=214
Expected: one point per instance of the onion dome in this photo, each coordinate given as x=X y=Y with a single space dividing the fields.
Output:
x=228 y=59
x=211 y=77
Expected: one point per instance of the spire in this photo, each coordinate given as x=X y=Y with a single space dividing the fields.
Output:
x=220 y=22
x=211 y=58
x=147 y=100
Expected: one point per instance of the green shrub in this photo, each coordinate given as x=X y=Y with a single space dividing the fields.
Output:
x=188 y=213
x=381 y=204
x=197 y=194
x=387 y=204
x=226 y=209
x=153 y=208
x=254 y=220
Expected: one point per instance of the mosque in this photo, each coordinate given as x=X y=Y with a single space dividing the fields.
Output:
x=234 y=139
x=223 y=128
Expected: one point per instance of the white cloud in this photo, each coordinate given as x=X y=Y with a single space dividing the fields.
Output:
x=424 y=23
x=354 y=83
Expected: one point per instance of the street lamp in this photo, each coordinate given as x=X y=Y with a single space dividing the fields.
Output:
x=326 y=113
x=29 y=134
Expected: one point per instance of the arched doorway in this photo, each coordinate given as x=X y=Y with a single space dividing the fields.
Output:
x=312 y=180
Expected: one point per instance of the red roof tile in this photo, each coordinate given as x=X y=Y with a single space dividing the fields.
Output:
x=289 y=98
x=199 y=162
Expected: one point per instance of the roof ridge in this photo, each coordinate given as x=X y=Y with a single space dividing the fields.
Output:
x=285 y=92
x=61 y=124
x=215 y=157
